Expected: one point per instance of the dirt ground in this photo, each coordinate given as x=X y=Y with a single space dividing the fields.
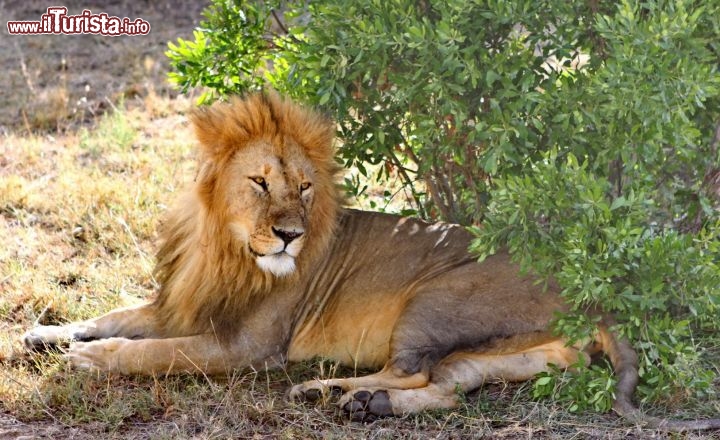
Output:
x=57 y=82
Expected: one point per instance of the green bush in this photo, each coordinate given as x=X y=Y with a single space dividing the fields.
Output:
x=229 y=52
x=660 y=284
x=582 y=135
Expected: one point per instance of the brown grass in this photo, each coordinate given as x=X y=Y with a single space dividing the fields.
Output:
x=92 y=150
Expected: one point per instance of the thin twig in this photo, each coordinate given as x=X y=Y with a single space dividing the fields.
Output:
x=279 y=22
x=26 y=122
x=23 y=69
x=716 y=140
x=406 y=178
x=111 y=104
x=42 y=314
x=283 y=27
x=436 y=196
x=140 y=252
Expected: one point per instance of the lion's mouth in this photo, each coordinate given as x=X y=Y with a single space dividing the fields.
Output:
x=255 y=253
x=289 y=250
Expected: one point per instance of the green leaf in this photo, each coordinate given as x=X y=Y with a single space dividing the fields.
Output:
x=491 y=77
x=619 y=202
x=545 y=380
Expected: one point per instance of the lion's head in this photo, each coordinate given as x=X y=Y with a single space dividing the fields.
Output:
x=264 y=202
x=269 y=173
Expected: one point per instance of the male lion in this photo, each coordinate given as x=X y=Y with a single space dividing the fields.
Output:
x=259 y=265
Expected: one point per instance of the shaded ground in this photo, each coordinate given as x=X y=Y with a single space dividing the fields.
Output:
x=13 y=429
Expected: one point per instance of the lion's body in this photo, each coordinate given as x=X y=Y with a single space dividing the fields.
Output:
x=414 y=282
x=258 y=265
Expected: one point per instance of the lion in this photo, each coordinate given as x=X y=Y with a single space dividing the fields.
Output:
x=259 y=264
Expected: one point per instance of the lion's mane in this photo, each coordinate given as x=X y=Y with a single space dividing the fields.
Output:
x=207 y=278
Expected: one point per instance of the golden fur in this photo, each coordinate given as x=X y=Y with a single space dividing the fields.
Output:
x=258 y=265
x=214 y=284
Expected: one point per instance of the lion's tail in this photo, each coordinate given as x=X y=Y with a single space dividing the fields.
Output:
x=624 y=360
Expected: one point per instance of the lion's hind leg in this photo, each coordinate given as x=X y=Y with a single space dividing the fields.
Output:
x=389 y=377
x=460 y=371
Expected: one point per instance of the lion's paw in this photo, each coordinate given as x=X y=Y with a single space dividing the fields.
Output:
x=100 y=355
x=44 y=336
x=313 y=391
x=366 y=405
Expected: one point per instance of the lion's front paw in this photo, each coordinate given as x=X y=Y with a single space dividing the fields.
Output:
x=313 y=391
x=366 y=405
x=44 y=336
x=101 y=355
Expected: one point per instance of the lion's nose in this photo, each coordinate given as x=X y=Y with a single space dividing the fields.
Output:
x=287 y=236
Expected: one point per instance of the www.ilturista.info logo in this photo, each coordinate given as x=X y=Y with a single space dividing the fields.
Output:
x=56 y=21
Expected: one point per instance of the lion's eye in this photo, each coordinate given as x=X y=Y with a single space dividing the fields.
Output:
x=304 y=186
x=260 y=181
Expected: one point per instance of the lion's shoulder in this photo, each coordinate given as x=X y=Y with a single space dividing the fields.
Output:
x=387 y=242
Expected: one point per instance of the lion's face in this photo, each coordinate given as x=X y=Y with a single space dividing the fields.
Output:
x=269 y=194
x=267 y=185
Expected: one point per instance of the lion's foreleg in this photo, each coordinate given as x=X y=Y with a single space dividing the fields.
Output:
x=191 y=354
x=128 y=322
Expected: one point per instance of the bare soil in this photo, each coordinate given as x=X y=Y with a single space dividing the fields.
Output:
x=57 y=82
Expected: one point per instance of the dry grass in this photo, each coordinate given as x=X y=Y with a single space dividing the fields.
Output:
x=93 y=146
